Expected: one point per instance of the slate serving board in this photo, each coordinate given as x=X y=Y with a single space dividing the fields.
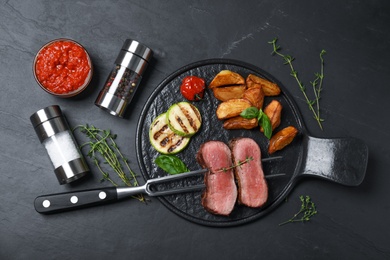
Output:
x=343 y=160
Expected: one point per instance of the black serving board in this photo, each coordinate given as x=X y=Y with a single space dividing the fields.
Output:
x=295 y=156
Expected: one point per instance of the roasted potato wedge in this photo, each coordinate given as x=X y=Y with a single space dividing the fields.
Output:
x=255 y=95
x=239 y=122
x=281 y=139
x=269 y=88
x=251 y=82
x=232 y=108
x=274 y=112
x=226 y=78
x=229 y=92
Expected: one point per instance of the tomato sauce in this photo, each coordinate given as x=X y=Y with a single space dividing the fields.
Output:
x=62 y=67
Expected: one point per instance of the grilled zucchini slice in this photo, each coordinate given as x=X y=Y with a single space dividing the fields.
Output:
x=163 y=139
x=184 y=119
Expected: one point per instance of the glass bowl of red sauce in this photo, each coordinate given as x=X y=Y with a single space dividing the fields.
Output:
x=63 y=68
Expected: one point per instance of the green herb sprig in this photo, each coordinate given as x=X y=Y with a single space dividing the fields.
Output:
x=314 y=104
x=239 y=164
x=102 y=146
x=308 y=210
x=173 y=165
x=262 y=118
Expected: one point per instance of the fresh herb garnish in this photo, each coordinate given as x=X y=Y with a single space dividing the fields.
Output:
x=171 y=164
x=250 y=112
x=239 y=164
x=262 y=118
x=314 y=105
x=102 y=146
x=308 y=210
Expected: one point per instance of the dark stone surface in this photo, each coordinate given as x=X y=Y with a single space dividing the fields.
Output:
x=352 y=222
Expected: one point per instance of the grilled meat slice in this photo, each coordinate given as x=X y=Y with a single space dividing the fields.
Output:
x=252 y=186
x=221 y=191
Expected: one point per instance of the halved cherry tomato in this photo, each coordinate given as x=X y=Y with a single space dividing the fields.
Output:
x=192 y=88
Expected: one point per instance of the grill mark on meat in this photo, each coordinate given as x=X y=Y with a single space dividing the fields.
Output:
x=252 y=186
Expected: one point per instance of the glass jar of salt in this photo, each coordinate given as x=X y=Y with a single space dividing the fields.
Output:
x=124 y=79
x=54 y=133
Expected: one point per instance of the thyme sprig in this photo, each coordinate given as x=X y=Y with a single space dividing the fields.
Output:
x=308 y=210
x=102 y=145
x=317 y=83
x=314 y=104
x=239 y=164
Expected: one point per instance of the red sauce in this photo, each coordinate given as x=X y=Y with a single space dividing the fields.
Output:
x=62 y=67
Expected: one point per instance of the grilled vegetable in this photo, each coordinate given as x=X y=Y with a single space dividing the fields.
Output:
x=229 y=92
x=269 y=88
x=184 y=119
x=232 y=108
x=281 y=139
x=163 y=139
x=226 y=78
x=192 y=88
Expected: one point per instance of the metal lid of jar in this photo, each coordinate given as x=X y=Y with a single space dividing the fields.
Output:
x=138 y=49
x=48 y=121
x=135 y=56
x=45 y=114
x=132 y=62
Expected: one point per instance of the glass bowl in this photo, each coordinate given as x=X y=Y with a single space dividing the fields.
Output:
x=63 y=68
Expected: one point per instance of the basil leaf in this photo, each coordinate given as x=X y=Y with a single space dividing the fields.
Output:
x=253 y=112
x=171 y=164
x=266 y=124
x=259 y=116
x=250 y=112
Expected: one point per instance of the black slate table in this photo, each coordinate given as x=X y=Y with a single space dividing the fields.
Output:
x=352 y=222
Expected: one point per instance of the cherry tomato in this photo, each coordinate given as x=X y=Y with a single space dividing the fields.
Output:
x=192 y=88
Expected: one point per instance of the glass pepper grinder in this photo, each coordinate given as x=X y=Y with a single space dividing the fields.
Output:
x=125 y=78
x=54 y=133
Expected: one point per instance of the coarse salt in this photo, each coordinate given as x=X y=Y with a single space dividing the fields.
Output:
x=61 y=148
